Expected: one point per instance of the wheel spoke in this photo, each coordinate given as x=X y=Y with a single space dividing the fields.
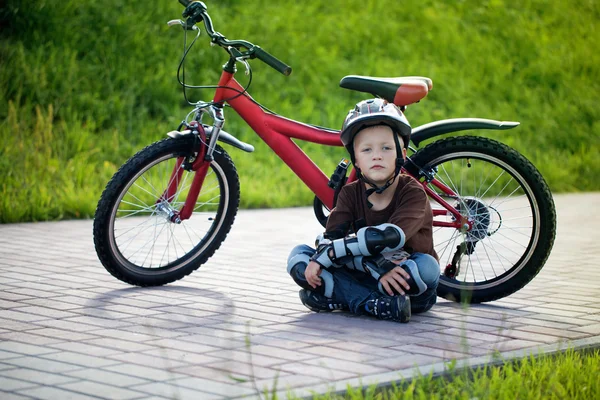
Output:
x=132 y=228
x=148 y=241
x=495 y=180
x=156 y=192
x=144 y=207
x=453 y=237
x=499 y=255
x=501 y=191
x=506 y=200
x=188 y=234
x=482 y=184
x=135 y=197
x=453 y=186
x=488 y=257
x=183 y=187
x=133 y=213
x=151 y=251
x=514 y=229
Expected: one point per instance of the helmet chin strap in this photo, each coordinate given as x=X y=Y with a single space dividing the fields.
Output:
x=379 y=189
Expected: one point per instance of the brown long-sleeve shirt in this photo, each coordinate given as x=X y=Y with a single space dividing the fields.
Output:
x=409 y=209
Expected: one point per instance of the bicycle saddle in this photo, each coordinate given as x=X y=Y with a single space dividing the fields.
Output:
x=401 y=91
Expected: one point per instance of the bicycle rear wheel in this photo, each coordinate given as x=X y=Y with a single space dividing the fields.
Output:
x=134 y=235
x=513 y=220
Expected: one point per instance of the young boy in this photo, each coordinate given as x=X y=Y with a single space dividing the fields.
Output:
x=376 y=256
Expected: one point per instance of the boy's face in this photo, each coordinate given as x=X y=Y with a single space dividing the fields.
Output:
x=375 y=153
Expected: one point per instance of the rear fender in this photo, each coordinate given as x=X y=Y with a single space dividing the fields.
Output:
x=442 y=127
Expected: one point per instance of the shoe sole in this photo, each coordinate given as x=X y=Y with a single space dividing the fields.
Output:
x=406 y=310
x=303 y=297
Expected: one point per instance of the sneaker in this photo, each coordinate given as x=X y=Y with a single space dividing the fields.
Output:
x=318 y=303
x=396 y=308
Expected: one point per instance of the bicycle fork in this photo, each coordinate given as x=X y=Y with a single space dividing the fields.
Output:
x=200 y=164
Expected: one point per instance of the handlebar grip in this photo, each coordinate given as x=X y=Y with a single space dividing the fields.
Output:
x=185 y=3
x=272 y=61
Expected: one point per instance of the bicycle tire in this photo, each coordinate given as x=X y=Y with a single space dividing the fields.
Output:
x=133 y=186
x=459 y=156
x=319 y=209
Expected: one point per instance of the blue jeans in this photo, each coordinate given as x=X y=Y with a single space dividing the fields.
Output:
x=354 y=288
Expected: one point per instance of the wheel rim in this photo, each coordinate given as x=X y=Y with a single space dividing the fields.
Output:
x=141 y=234
x=505 y=220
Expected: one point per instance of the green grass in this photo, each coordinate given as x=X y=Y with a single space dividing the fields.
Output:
x=84 y=85
x=570 y=375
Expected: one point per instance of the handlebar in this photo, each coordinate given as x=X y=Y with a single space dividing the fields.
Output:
x=196 y=10
x=271 y=61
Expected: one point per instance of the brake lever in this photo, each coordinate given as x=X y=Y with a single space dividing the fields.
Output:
x=247 y=72
x=184 y=24
x=175 y=22
x=239 y=56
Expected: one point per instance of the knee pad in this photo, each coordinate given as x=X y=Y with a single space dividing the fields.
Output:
x=417 y=285
x=297 y=267
x=300 y=249
x=429 y=268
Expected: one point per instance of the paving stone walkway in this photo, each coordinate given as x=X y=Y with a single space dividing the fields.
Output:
x=69 y=330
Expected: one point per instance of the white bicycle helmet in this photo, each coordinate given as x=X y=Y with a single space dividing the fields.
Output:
x=371 y=113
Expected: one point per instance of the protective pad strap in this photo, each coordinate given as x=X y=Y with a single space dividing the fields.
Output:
x=327 y=283
x=339 y=248
x=356 y=263
x=377 y=266
x=322 y=257
x=321 y=240
x=345 y=247
x=373 y=240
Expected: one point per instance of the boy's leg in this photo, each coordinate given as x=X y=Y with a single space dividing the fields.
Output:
x=360 y=291
x=315 y=299
x=429 y=271
x=296 y=265
x=342 y=289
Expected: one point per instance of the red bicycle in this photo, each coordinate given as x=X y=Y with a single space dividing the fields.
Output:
x=170 y=206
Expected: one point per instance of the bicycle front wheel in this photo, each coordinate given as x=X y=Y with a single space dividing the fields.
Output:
x=511 y=213
x=134 y=233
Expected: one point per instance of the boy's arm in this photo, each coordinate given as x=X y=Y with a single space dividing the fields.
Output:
x=412 y=210
x=341 y=216
x=362 y=253
x=368 y=241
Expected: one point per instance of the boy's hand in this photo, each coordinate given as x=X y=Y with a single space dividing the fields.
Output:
x=395 y=279
x=312 y=272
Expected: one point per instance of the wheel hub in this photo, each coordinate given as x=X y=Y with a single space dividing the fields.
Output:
x=165 y=210
x=478 y=216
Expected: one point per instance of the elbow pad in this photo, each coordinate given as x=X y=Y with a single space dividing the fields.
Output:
x=373 y=240
x=369 y=241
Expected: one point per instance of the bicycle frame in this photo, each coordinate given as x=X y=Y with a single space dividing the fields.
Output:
x=277 y=132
